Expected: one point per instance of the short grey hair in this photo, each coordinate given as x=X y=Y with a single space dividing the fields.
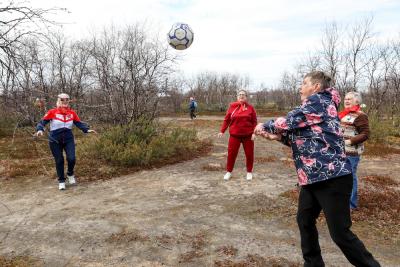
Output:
x=319 y=77
x=356 y=96
x=242 y=90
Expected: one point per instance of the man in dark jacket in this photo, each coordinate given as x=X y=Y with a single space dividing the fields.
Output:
x=312 y=130
x=192 y=108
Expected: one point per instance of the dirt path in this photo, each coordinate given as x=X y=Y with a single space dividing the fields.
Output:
x=178 y=215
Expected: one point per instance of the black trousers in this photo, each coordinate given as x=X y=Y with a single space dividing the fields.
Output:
x=332 y=196
x=57 y=148
x=192 y=114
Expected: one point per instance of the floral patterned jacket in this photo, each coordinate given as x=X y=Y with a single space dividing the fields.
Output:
x=313 y=132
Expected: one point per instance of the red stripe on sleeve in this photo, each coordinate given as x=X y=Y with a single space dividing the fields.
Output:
x=75 y=116
x=49 y=115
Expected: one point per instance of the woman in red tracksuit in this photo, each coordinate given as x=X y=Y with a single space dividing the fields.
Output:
x=241 y=118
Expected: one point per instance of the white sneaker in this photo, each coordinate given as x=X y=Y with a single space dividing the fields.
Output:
x=249 y=176
x=71 y=179
x=227 y=176
x=61 y=186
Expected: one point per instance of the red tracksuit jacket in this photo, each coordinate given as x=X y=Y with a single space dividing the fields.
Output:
x=241 y=119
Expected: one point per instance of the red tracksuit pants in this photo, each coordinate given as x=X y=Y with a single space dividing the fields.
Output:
x=233 y=149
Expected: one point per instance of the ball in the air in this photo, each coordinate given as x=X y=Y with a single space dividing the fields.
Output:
x=180 y=36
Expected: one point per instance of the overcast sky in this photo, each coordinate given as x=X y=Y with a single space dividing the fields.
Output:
x=258 y=38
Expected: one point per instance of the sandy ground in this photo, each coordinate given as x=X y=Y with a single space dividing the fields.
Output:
x=178 y=215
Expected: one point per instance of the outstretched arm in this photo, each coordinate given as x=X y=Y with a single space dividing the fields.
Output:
x=81 y=125
x=310 y=113
x=40 y=127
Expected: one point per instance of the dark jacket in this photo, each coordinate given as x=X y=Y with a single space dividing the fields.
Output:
x=313 y=132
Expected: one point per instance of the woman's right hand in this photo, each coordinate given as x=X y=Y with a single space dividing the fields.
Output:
x=220 y=135
x=259 y=129
x=39 y=133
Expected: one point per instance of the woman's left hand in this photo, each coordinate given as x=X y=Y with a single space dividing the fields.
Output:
x=253 y=136
x=92 y=131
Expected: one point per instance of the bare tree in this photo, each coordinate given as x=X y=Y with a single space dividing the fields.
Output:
x=331 y=56
x=289 y=85
x=18 y=21
x=217 y=90
x=174 y=94
x=104 y=52
x=58 y=45
x=359 y=40
x=131 y=70
x=395 y=82
x=376 y=82
x=309 y=63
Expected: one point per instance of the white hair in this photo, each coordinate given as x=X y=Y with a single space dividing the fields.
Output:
x=356 y=96
x=59 y=97
x=63 y=95
x=242 y=90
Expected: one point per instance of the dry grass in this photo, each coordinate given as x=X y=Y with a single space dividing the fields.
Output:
x=229 y=251
x=379 y=199
x=165 y=240
x=262 y=205
x=20 y=261
x=200 y=123
x=257 y=261
x=125 y=237
x=265 y=159
x=379 y=150
x=287 y=159
x=292 y=194
x=189 y=256
x=378 y=211
x=24 y=156
x=197 y=243
x=394 y=140
x=289 y=163
x=213 y=167
x=271 y=113
x=380 y=181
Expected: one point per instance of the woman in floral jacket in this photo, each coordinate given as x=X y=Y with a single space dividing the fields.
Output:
x=313 y=132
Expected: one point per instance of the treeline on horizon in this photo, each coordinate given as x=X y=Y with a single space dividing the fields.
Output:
x=119 y=75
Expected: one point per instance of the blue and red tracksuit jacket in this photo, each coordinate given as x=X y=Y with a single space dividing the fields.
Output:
x=313 y=132
x=61 y=121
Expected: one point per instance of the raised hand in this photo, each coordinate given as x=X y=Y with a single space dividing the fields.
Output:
x=39 y=133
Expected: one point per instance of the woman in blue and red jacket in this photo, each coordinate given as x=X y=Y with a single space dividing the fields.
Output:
x=61 y=120
x=241 y=118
